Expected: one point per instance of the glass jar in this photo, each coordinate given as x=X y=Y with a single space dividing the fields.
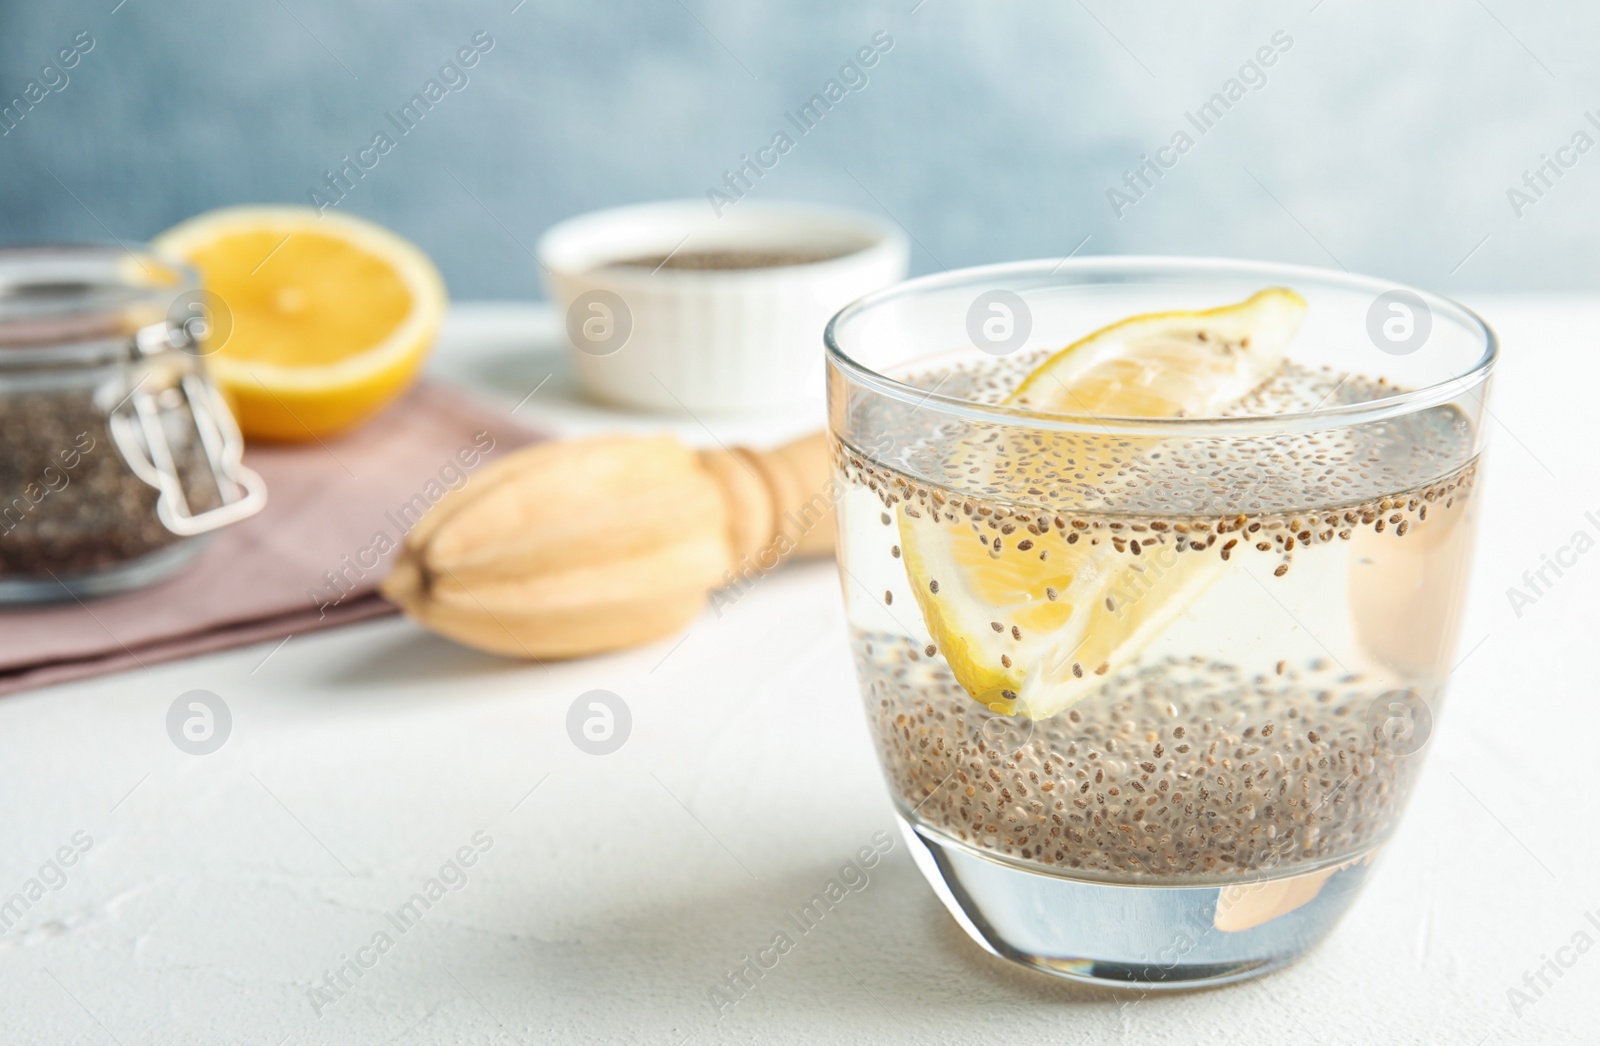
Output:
x=1151 y=692
x=117 y=455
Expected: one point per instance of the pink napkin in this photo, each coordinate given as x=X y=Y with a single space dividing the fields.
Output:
x=311 y=559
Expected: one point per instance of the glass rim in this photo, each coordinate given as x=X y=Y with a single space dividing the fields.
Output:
x=1339 y=414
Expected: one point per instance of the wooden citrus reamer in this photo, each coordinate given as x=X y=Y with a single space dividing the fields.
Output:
x=575 y=547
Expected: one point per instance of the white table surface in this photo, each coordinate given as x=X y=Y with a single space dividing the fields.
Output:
x=219 y=888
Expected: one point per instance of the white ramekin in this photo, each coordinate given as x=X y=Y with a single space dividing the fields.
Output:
x=721 y=341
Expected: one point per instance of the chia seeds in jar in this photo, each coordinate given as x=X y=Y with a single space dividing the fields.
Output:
x=117 y=455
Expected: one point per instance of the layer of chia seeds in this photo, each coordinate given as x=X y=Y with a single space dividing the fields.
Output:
x=1011 y=528
x=1096 y=471
x=1187 y=768
x=1293 y=387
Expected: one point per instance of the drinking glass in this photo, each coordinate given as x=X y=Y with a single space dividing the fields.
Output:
x=1282 y=587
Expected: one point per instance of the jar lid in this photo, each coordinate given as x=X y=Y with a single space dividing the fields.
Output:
x=84 y=304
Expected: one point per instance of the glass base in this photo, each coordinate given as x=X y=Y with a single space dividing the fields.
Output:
x=134 y=573
x=1150 y=938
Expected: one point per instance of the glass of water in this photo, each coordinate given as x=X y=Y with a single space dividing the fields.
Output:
x=1152 y=625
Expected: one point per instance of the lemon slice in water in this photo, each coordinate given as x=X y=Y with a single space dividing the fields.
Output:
x=1032 y=610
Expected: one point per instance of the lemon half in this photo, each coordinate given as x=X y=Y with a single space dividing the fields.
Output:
x=316 y=322
x=1032 y=616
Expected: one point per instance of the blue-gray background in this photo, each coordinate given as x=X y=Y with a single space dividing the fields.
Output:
x=1384 y=140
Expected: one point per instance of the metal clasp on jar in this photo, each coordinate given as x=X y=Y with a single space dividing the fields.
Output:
x=164 y=360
